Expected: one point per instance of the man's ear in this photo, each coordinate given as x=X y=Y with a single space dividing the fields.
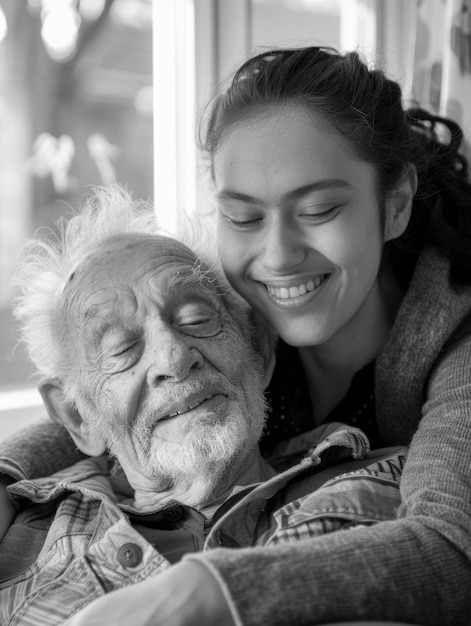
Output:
x=64 y=412
x=399 y=204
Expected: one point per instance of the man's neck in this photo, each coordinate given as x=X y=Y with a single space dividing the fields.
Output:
x=252 y=469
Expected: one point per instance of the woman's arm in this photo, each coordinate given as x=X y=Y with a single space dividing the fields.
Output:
x=415 y=569
x=195 y=599
x=37 y=450
x=7 y=510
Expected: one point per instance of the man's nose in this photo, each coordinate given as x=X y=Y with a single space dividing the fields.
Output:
x=173 y=360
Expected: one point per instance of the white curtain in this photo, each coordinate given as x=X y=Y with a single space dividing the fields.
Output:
x=442 y=63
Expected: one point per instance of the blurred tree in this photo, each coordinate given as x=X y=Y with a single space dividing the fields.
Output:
x=69 y=120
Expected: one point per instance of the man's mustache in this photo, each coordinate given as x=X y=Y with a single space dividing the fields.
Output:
x=177 y=397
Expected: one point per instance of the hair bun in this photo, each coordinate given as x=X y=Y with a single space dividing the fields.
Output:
x=445 y=135
x=435 y=128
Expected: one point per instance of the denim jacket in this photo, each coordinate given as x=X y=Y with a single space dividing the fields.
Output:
x=76 y=537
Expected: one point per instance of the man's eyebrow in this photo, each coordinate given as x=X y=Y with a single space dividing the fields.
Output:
x=99 y=323
x=299 y=192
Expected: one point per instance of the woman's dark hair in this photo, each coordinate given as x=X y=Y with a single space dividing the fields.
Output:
x=366 y=107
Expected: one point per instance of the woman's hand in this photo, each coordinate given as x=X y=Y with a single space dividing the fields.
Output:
x=7 y=510
x=187 y=594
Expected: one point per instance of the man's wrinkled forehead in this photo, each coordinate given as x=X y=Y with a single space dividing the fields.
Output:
x=132 y=252
x=137 y=249
x=111 y=275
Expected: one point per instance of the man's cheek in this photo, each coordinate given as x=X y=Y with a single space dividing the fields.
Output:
x=228 y=357
x=97 y=386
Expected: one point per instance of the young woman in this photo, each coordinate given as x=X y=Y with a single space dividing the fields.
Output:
x=344 y=220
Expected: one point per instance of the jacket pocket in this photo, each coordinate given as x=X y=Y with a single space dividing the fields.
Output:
x=37 y=602
x=359 y=498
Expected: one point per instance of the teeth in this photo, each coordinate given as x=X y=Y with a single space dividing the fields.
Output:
x=285 y=293
x=188 y=408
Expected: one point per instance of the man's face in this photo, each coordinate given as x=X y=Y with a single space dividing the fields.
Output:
x=164 y=372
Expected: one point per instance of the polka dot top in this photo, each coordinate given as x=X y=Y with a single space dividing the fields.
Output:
x=290 y=405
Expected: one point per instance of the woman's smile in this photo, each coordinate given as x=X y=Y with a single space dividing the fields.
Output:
x=295 y=294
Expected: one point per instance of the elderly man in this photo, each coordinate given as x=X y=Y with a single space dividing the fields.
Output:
x=144 y=358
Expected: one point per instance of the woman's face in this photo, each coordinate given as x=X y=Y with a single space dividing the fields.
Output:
x=299 y=228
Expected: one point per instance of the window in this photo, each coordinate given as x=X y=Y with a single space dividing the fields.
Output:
x=76 y=102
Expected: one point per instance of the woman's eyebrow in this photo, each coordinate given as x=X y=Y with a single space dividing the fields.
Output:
x=228 y=194
x=294 y=194
x=330 y=183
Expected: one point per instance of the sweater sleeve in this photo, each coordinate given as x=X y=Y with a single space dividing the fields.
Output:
x=39 y=449
x=416 y=568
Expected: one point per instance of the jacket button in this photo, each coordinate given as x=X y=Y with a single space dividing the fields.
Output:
x=173 y=514
x=129 y=555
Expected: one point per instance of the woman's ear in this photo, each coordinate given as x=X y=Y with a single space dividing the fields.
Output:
x=399 y=204
x=64 y=412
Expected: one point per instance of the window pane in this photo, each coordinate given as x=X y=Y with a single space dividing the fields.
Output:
x=295 y=22
x=76 y=106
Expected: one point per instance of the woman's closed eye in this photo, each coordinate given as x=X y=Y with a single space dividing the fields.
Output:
x=314 y=213
x=243 y=218
x=318 y=215
x=238 y=223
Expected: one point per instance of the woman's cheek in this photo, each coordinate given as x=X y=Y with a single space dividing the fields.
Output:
x=231 y=259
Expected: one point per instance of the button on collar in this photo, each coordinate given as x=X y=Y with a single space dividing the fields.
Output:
x=173 y=513
x=129 y=555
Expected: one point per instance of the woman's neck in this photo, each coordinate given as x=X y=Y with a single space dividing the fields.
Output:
x=329 y=368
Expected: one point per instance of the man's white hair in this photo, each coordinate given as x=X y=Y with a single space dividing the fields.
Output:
x=47 y=265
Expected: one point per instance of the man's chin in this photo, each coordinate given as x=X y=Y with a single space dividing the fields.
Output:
x=205 y=452
x=202 y=449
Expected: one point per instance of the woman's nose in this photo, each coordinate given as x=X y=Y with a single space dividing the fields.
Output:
x=173 y=360
x=282 y=247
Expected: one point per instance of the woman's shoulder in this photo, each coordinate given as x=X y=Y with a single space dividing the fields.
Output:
x=433 y=316
x=431 y=299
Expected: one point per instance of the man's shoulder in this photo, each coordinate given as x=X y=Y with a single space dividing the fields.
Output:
x=91 y=475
